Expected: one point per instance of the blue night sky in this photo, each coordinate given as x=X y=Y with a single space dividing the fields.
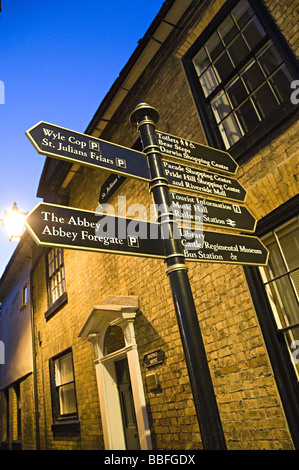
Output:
x=58 y=60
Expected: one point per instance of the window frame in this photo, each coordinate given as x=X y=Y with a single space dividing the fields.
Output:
x=271 y=281
x=249 y=144
x=54 y=306
x=5 y=417
x=284 y=372
x=25 y=295
x=62 y=423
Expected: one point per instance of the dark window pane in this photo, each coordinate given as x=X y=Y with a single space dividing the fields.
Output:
x=276 y=266
x=208 y=81
x=281 y=82
x=289 y=240
x=67 y=399
x=214 y=46
x=282 y=290
x=253 y=76
x=253 y=32
x=228 y=30
x=223 y=66
x=247 y=116
x=220 y=106
x=265 y=100
x=237 y=92
x=242 y=13
x=230 y=131
x=238 y=50
x=270 y=59
x=201 y=61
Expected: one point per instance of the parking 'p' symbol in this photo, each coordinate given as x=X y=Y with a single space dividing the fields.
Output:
x=94 y=145
x=133 y=241
x=120 y=162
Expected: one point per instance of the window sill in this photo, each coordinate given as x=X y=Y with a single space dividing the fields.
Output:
x=66 y=428
x=56 y=305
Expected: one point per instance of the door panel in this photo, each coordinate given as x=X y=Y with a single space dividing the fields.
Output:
x=127 y=404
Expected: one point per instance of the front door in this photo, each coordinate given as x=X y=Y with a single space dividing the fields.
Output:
x=127 y=404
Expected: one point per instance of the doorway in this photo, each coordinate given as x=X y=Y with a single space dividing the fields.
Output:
x=110 y=328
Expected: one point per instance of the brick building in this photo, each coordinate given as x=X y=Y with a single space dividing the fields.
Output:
x=224 y=74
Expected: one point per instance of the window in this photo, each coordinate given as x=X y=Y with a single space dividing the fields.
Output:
x=25 y=296
x=64 y=403
x=239 y=76
x=274 y=291
x=17 y=428
x=56 y=274
x=55 y=280
x=281 y=282
x=4 y=419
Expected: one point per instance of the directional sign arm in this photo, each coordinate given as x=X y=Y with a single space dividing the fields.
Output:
x=204 y=211
x=59 y=226
x=71 y=146
x=195 y=153
x=201 y=181
x=223 y=247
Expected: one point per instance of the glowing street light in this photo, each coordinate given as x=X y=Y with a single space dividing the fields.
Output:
x=13 y=222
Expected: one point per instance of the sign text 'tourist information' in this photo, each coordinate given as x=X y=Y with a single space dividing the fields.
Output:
x=200 y=210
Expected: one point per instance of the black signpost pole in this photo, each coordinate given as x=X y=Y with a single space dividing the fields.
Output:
x=145 y=118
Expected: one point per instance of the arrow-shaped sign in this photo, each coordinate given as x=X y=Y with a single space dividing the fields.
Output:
x=72 y=146
x=207 y=182
x=223 y=248
x=53 y=225
x=194 y=153
x=199 y=210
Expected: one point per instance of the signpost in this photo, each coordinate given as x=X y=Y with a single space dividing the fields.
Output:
x=54 y=225
x=222 y=214
x=195 y=180
x=144 y=117
x=74 y=147
x=192 y=152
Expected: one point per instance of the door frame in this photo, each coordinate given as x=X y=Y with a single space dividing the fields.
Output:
x=120 y=311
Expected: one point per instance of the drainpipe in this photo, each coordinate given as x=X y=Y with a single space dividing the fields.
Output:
x=36 y=411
